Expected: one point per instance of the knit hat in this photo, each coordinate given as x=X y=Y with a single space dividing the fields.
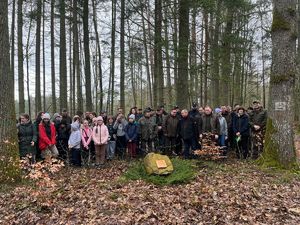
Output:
x=218 y=110
x=46 y=116
x=55 y=116
x=132 y=116
x=99 y=118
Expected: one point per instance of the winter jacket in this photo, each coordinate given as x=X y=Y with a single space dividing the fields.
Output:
x=86 y=136
x=241 y=124
x=223 y=125
x=120 y=127
x=209 y=124
x=75 y=137
x=170 y=126
x=227 y=117
x=100 y=134
x=26 y=134
x=44 y=140
x=131 y=130
x=259 y=117
x=196 y=116
x=147 y=128
x=187 y=129
x=63 y=129
x=112 y=132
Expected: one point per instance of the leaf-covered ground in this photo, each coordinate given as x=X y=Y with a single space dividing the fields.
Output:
x=229 y=192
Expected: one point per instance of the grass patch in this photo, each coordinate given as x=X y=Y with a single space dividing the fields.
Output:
x=184 y=172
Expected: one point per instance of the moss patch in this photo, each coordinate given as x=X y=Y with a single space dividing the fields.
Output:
x=184 y=172
x=279 y=22
x=278 y=78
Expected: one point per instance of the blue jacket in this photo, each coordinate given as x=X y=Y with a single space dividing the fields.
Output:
x=131 y=131
x=241 y=124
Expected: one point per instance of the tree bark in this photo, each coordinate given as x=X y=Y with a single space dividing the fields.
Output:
x=12 y=61
x=38 y=99
x=52 y=56
x=182 y=85
x=279 y=142
x=122 y=56
x=9 y=151
x=20 y=58
x=87 y=68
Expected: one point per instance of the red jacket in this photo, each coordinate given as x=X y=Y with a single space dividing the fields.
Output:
x=44 y=141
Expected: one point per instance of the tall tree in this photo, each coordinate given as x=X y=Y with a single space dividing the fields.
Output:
x=182 y=84
x=13 y=21
x=20 y=58
x=38 y=99
x=279 y=142
x=122 y=56
x=87 y=68
x=9 y=163
x=158 y=64
x=52 y=34
x=63 y=86
x=44 y=59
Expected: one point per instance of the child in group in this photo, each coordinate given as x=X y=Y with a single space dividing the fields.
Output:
x=100 y=137
x=74 y=142
x=131 y=131
x=111 y=146
x=86 y=138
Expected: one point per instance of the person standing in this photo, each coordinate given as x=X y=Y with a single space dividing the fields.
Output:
x=131 y=136
x=111 y=146
x=27 y=136
x=223 y=135
x=258 y=122
x=120 y=125
x=241 y=130
x=75 y=141
x=100 y=137
x=170 y=131
x=47 y=137
x=86 y=139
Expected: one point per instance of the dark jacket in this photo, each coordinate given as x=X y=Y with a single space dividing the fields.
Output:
x=241 y=124
x=131 y=130
x=210 y=124
x=63 y=129
x=147 y=128
x=186 y=128
x=259 y=117
x=26 y=134
x=170 y=126
x=112 y=131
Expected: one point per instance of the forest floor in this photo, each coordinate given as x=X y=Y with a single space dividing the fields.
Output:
x=227 y=192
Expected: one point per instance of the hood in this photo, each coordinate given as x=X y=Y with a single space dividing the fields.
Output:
x=75 y=126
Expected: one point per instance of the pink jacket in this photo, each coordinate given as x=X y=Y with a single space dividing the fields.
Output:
x=86 y=134
x=100 y=135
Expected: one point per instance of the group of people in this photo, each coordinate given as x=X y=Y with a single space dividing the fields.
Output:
x=97 y=138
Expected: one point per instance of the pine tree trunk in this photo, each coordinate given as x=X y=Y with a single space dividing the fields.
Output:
x=44 y=60
x=205 y=74
x=182 y=84
x=27 y=65
x=12 y=61
x=20 y=58
x=52 y=57
x=122 y=56
x=279 y=142
x=9 y=162
x=63 y=94
x=87 y=68
x=38 y=99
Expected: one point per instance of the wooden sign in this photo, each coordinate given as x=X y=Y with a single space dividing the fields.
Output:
x=161 y=164
x=280 y=106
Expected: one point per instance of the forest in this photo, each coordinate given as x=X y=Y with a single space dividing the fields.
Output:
x=212 y=88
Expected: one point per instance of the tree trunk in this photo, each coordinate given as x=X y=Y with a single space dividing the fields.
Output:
x=279 y=142
x=12 y=61
x=193 y=56
x=87 y=68
x=122 y=56
x=9 y=162
x=38 y=103
x=52 y=57
x=99 y=55
x=76 y=62
x=20 y=58
x=44 y=60
x=27 y=65
x=205 y=84
x=158 y=71
x=182 y=85
x=63 y=96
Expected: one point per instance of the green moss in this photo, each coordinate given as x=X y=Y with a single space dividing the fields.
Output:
x=292 y=11
x=184 y=172
x=279 y=22
x=270 y=156
x=278 y=78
